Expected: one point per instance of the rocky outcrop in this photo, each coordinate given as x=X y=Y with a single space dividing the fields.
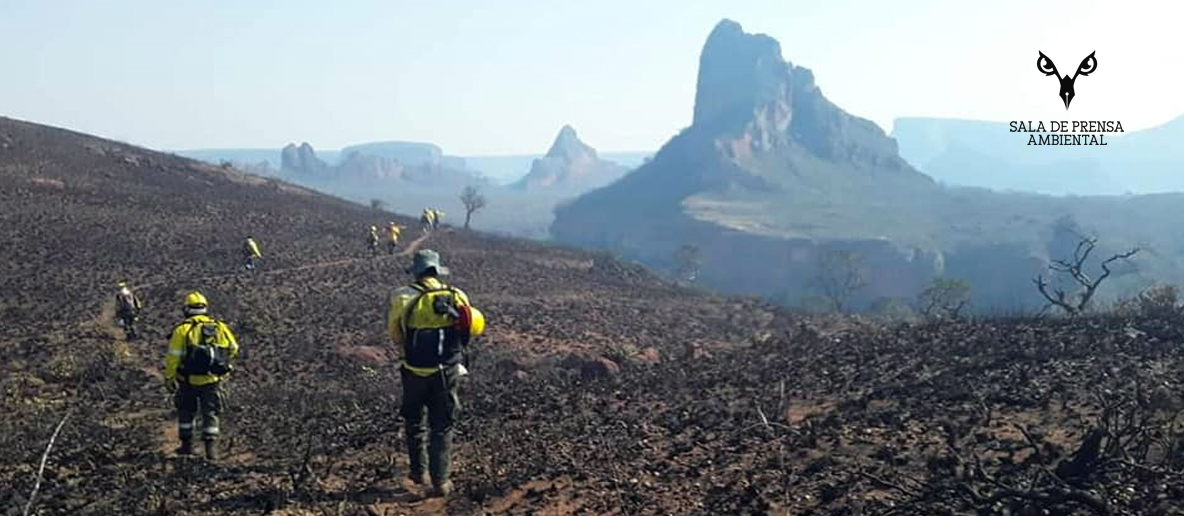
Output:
x=570 y=164
x=368 y=166
x=409 y=154
x=754 y=99
x=771 y=177
x=302 y=161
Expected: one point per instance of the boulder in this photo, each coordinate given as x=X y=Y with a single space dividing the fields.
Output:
x=592 y=367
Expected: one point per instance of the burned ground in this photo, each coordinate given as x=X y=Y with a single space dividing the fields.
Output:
x=600 y=389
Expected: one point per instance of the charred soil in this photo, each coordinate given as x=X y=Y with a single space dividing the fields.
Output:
x=599 y=389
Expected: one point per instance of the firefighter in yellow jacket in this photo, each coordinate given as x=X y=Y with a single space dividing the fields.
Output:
x=428 y=219
x=198 y=360
x=250 y=253
x=393 y=231
x=431 y=323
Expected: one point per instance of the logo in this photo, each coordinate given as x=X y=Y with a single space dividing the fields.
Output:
x=1087 y=66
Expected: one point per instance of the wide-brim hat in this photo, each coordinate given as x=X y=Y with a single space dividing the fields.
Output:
x=424 y=260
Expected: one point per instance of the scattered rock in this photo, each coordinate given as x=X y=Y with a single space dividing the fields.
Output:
x=592 y=367
x=366 y=354
x=649 y=355
x=56 y=184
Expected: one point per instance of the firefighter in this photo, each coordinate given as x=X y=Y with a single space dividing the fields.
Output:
x=199 y=359
x=431 y=323
x=127 y=309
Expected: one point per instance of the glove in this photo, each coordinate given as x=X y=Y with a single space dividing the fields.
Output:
x=170 y=384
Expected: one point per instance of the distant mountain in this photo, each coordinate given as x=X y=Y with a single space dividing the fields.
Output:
x=569 y=165
x=409 y=176
x=988 y=155
x=503 y=169
x=366 y=167
x=410 y=154
x=771 y=178
x=248 y=157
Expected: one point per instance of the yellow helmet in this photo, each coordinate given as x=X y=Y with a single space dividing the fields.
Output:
x=476 y=322
x=195 y=303
x=122 y=284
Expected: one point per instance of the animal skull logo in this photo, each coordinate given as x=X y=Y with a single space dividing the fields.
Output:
x=1087 y=66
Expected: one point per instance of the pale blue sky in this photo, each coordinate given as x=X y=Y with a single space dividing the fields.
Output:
x=502 y=77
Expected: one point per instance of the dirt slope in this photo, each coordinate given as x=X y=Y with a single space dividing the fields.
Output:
x=708 y=405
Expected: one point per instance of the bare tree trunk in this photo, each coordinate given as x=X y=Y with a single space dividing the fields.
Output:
x=468 y=216
x=44 y=458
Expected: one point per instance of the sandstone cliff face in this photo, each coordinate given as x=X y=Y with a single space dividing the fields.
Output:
x=569 y=164
x=768 y=178
x=361 y=166
x=302 y=160
x=408 y=154
x=755 y=101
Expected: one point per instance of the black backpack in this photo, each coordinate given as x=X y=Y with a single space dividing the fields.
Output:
x=440 y=345
x=207 y=350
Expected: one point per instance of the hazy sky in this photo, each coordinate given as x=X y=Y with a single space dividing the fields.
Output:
x=498 y=77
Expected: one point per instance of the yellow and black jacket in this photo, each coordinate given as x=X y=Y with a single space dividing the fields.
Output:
x=251 y=249
x=181 y=339
x=424 y=332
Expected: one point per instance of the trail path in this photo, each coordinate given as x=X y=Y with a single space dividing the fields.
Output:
x=105 y=326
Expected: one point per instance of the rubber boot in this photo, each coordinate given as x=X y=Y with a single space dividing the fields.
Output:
x=420 y=479
x=211 y=450
x=186 y=447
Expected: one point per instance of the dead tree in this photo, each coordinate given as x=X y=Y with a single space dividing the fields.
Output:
x=945 y=297
x=473 y=201
x=1077 y=302
x=839 y=277
x=44 y=457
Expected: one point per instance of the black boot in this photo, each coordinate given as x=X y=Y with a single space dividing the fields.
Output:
x=186 y=447
x=211 y=450
x=441 y=489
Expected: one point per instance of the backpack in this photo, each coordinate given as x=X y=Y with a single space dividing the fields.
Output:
x=126 y=303
x=207 y=350
x=437 y=340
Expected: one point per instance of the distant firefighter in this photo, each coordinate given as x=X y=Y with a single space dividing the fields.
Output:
x=428 y=219
x=437 y=215
x=372 y=239
x=127 y=310
x=393 y=231
x=250 y=253
x=199 y=359
x=431 y=323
